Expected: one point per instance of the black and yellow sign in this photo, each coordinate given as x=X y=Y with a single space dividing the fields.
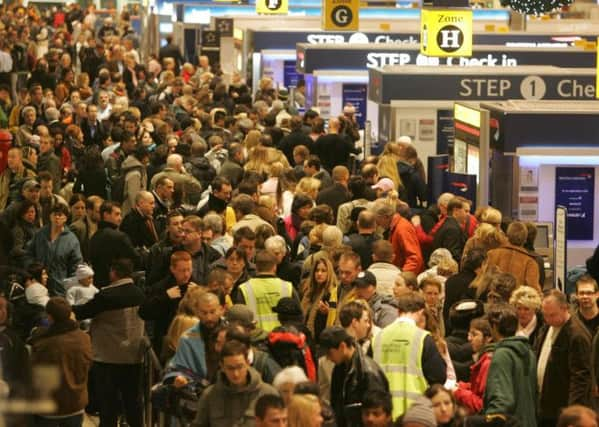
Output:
x=446 y=32
x=340 y=15
x=272 y=7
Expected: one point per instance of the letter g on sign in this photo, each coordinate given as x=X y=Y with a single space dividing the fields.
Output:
x=342 y=16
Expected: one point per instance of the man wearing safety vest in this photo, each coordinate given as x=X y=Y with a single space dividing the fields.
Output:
x=264 y=291
x=408 y=354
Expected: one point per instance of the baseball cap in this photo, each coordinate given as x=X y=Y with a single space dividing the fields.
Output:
x=385 y=184
x=364 y=279
x=242 y=314
x=31 y=184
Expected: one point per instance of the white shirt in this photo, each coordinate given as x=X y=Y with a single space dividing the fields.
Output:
x=552 y=334
x=5 y=62
x=37 y=294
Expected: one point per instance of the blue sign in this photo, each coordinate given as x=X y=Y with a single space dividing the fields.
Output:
x=437 y=174
x=461 y=184
x=574 y=189
x=290 y=74
x=445 y=131
x=356 y=95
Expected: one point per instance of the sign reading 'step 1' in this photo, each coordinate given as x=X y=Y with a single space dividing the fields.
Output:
x=446 y=32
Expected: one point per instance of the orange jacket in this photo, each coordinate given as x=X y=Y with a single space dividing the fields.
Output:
x=406 y=248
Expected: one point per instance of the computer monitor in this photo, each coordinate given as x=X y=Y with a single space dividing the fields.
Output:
x=544 y=240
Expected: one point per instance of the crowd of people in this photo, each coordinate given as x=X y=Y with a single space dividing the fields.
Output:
x=155 y=206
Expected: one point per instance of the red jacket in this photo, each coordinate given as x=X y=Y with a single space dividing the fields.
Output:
x=406 y=249
x=470 y=395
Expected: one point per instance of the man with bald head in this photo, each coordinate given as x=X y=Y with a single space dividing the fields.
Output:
x=139 y=223
x=186 y=186
x=333 y=149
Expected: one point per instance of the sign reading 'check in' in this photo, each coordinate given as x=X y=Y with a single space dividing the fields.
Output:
x=446 y=32
x=340 y=15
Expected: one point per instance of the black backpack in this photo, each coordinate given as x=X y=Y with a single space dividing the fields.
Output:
x=117 y=185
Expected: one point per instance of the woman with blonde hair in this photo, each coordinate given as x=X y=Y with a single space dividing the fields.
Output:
x=387 y=164
x=319 y=300
x=304 y=410
x=528 y=303
x=258 y=160
x=252 y=139
x=308 y=186
x=486 y=237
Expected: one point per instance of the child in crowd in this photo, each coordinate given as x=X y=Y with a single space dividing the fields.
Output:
x=82 y=289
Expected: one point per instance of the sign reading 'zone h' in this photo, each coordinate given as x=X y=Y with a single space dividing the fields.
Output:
x=446 y=32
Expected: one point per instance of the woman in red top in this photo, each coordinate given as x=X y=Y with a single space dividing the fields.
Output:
x=470 y=395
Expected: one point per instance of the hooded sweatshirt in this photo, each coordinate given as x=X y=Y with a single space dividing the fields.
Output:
x=512 y=381
x=223 y=405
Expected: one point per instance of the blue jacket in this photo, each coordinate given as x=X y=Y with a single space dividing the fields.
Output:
x=190 y=358
x=61 y=257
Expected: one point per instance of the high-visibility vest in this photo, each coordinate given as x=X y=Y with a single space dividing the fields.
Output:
x=398 y=351
x=261 y=294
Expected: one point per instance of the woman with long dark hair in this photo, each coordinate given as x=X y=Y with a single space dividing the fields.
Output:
x=91 y=180
x=300 y=209
x=319 y=302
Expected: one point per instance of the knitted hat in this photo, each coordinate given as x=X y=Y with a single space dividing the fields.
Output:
x=83 y=272
x=421 y=412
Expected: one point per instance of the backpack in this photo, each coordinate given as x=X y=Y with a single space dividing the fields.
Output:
x=288 y=347
x=117 y=185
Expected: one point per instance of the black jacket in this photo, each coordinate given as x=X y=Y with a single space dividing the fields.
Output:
x=334 y=196
x=202 y=170
x=171 y=51
x=414 y=188
x=213 y=204
x=160 y=308
x=106 y=245
x=362 y=245
x=333 y=150
x=158 y=260
x=99 y=134
x=201 y=263
x=350 y=383
x=456 y=289
x=289 y=142
x=136 y=227
x=451 y=237
x=91 y=182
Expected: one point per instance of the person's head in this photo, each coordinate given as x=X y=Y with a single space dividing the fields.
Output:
x=77 y=206
x=527 y=302
x=221 y=188
x=349 y=267
x=209 y=310
x=577 y=416
x=337 y=344
x=456 y=209
x=382 y=251
x=312 y=165
x=501 y=287
x=243 y=204
x=286 y=380
x=366 y=222
x=144 y=202
x=59 y=215
x=376 y=409
x=491 y=216
x=365 y=285
x=304 y=410
x=412 y=304
x=517 y=233
x=444 y=404
x=587 y=292
x=277 y=246
x=479 y=334
x=474 y=259
x=46 y=185
x=111 y=212
x=340 y=175
x=245 y=239
x=164 y=188
x=266 y=262
x=234 y=363
x=323 y=274
x=174 y=227
x=192 y=227
x=355 y=318
x=419 y=414
x=37 y=272
x=58 y=310
x=27 y=211
x=503 y=320
x=555 y=308
x=270 y=411
x=236 y=260
x=300 y=154
x=431 y=289
x=384 y=213
x=181 y=267
x=121 y=268
x=14 y=159
x=84 y=275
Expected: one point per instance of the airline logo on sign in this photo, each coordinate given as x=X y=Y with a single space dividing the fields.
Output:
x=446 y=32
x=340 y=15
x=272 y=7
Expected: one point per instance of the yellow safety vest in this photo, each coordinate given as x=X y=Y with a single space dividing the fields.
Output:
x=398 y=351
x=261 y=294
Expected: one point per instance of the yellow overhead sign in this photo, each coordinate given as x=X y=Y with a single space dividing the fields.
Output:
x=272 y=7
x=446 y=32
x=340 y=15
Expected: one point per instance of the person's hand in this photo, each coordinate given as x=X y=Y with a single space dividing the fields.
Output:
x=180 y=381
x=192 y=285
x=174 y=292
x=323 y=307
x=416 y=220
